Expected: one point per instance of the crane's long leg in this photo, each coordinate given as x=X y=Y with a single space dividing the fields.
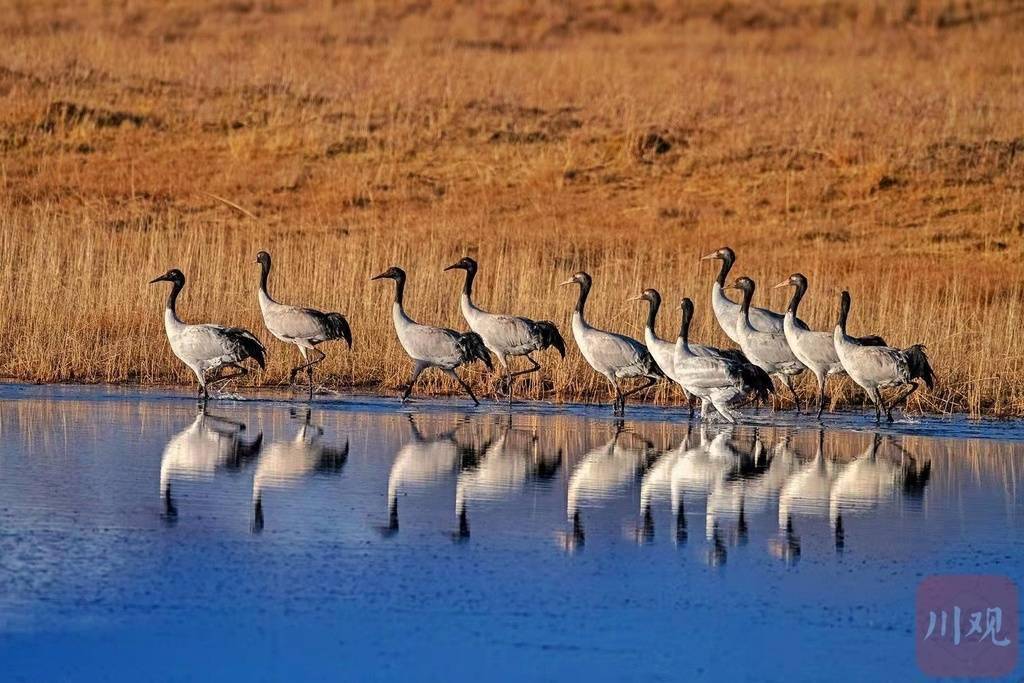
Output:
x=307 y=366
x=788 y=381
x=651 y=381
x=822 y=379
x=201 y=393
x=465 y=386
x=535 y=366
x=876 y=398
x=618 y=395
x=222 y=381
x=417 y=369
x=905 y=396
x=510 y=376
x=508 y=381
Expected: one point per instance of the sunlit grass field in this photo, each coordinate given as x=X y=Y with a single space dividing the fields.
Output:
x=873 y=147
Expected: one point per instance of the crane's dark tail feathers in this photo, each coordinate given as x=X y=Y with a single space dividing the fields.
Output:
x=871 y=340
x=250 y=344
x=653 y=369
x=917 y=359
x=757 y=380
x=472 y=347
x=549 y=336
x=337 y=327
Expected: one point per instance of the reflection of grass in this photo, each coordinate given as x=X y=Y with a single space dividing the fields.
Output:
x=870 y=148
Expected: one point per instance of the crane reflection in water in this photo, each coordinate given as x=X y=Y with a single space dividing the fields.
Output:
x=285 y=463
x=210 y=444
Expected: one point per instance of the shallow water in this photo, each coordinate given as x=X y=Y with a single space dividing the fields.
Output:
x=361 y=539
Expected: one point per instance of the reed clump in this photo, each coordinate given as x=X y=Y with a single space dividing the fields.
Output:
x=873 y=147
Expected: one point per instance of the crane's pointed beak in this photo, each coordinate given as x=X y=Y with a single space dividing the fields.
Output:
x=709 y=257
x=567 y=282
x=453 y=267
x=162 y=278
x=638 y=297
x=379 y=277
x=784 y=283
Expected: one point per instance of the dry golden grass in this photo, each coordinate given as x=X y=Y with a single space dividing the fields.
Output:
x=877 y=147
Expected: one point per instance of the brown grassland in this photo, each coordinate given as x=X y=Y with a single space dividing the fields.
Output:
x=877 y=147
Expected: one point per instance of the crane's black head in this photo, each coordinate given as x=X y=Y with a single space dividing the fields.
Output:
x=649 y=295
x=795 y=280
x=844 y=304
x=582 y=279
x=263 y=258
x=687 y=306
x=173 y=275
x=392 y=273
x=465 y=263
x=724 y=254
x=744 y=284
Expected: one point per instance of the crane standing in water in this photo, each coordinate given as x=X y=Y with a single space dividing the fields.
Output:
x=304 y=327
x=615 y=356
x=506 y=336
x=432 y=347
x=207 y=347
x=874 y=368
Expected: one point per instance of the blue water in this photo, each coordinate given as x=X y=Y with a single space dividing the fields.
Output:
x=140 y=540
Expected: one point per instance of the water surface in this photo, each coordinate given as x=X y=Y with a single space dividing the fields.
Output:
x=357 y=539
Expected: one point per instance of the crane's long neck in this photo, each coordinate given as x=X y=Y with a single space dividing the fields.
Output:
x=798 y=294
x=724 y=271
x=467 y=287
x=264 y=276
x=684 y=328
x=844 y=312
x=652 y=312
x=399 y=291
x=748 y=294
x=171 y=309
x=581 y=301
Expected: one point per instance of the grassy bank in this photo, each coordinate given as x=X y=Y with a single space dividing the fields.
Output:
x=874 y=148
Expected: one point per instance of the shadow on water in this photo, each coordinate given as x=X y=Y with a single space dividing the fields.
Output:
x=358 y=509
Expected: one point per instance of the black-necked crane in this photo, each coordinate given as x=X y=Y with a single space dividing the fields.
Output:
x=615 y=356
x=815 y=349
x=717 y=380
x=767 y=350
x=662 y=350
x=432 y=347
x=207 y=347
x=506 y=336
x=728 y=312
x=304 y=327
x=875 y=368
